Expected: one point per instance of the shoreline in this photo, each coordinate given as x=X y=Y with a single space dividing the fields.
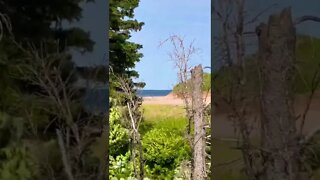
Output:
x=169 y=99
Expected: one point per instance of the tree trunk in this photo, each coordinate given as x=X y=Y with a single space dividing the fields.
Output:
x=199 y=171
x=141 y=157
x=279 y=136
x=133 y=155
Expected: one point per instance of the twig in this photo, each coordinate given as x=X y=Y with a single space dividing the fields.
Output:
x=228 y=163
x=306 y=18
x=254 y=19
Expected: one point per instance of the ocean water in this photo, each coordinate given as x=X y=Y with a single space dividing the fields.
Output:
x=96 y=99
x=144 y=93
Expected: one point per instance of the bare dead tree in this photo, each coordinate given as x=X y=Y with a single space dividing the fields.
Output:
x=181 y=56
x=199 y=144
x=75 y=134
x=290 y=134
x=277 y=156
x=233 y=47
x=192 y=96
x=279 y=137
x=135 y=118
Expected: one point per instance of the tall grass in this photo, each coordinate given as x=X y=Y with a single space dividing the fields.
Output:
x=163 y=116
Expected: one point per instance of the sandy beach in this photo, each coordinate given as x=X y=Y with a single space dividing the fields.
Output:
x=170 y=99
x=224 y=128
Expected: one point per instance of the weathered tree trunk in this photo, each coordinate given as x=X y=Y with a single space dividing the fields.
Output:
x=199 y=171
x=141 y=158
x=133 y=155
x=279 y=137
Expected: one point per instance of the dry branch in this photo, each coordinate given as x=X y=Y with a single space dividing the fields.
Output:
x=306 y=18
x=65 y=158
x=135 y=117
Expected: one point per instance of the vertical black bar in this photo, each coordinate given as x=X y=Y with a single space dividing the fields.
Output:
x=212 y=94
x=107 y=107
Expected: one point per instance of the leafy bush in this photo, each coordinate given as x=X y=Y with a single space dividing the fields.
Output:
x=164 y=150
x=16 y=163
x=120 y=167
x=118 y=138
x=119 y=159
x=15 y=160
x=180 y=88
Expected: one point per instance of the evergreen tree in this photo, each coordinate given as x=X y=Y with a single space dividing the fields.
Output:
x=37 y=37
x=123 y=54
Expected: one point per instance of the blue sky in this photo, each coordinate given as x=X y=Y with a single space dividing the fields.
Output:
x=163 y=18
x=94 y=19
x=187 y=18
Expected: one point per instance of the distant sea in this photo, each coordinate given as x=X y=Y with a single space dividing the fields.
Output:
x=96 y=99
x=144 y=93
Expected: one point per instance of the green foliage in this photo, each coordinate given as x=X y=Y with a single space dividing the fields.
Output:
x=307 y=65
x=123 y=53
x=15 y=159
x=118 y=138
x=120 y=166
x=123 y=56
x=38 y=24
x=119 y=154
x=164 y=150
x=206 y=82
x=181 y=87
x=11 y=129
x=33 y=21
x=16 y=163
x=177 y=125
x=169 y=122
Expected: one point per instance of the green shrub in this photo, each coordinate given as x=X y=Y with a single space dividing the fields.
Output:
x=15 y=158
x=180 y=88
x=118 y=138
x=164 y=149
x=16 y=163
x=120 y=167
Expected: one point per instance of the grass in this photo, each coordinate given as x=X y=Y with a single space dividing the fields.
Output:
x=171 y=116
x=164 y=112
x=227 y=159
x=163 y=116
